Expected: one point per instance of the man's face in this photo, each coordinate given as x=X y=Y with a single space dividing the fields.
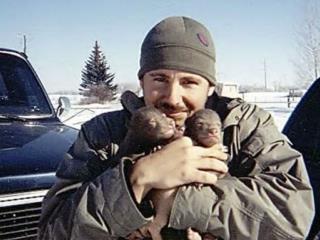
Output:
x=178 y=94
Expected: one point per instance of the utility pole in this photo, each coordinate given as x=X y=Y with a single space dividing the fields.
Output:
x=316 y=56
x=24 y=44
x=265 y=73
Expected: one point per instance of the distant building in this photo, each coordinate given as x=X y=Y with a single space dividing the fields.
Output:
x=227 y=89
x=294 y=92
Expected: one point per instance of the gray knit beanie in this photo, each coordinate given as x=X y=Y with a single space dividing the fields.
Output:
x=179 y=43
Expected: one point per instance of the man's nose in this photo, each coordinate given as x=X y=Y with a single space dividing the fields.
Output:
x=173 y=94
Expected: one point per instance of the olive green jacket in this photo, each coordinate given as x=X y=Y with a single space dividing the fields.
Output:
x=267 y=194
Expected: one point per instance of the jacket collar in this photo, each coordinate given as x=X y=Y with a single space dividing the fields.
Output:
x=230 y=110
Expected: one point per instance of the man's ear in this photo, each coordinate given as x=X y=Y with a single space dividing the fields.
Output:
x=141 y=82
x=211 y=90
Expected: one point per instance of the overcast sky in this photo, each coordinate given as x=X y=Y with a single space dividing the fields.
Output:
x=61 y=34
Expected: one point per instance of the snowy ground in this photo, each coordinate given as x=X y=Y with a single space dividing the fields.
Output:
x=274 y=102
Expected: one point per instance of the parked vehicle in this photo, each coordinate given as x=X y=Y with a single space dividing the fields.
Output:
x=303 y=129
x=32 y=142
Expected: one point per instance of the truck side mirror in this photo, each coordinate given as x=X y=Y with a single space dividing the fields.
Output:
x=64 y=106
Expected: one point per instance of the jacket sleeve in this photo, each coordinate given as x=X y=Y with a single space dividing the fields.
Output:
x=82 y=205
x=266 y=196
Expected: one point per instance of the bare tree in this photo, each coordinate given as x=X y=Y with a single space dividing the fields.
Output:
x=308 y=43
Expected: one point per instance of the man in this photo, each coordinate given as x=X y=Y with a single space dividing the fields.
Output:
x=265 y=193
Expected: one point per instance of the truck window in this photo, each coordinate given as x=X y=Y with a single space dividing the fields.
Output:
x=20 y=92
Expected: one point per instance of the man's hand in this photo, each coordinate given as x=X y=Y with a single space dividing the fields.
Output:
x=176 y=164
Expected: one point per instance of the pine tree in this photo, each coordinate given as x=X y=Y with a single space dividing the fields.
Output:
x=97 y=82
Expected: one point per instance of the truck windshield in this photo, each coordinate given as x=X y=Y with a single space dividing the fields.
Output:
x=20 y=92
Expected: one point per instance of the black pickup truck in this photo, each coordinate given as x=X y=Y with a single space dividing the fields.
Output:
x=32 y=142
x=303 y=129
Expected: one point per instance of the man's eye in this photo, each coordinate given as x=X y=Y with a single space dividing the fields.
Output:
x=159 y=79
x=190 y=82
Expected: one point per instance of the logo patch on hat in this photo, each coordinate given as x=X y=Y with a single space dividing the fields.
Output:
x=202 y=38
